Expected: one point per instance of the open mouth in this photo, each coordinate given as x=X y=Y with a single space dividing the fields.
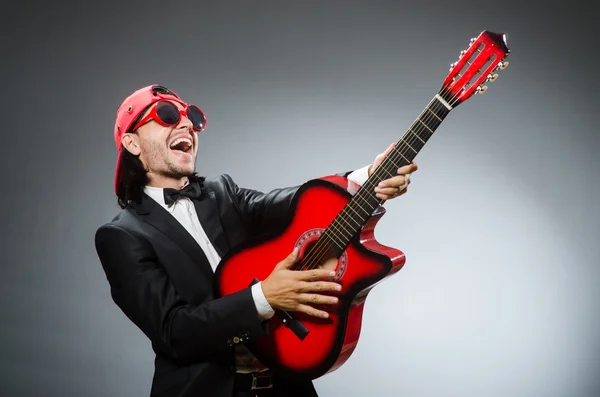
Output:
x=183 y=145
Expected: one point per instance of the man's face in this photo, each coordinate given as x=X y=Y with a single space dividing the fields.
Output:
x=168 y=151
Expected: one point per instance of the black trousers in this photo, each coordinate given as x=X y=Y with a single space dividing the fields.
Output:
x=274 y=393
x=281 y=388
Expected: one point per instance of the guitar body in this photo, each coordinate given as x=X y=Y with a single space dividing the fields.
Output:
x=365 y=262
x=332 y=221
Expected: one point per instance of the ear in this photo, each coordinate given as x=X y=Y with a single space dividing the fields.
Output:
x=131 y=143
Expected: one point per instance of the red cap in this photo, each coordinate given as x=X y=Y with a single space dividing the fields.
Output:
x=132 y=107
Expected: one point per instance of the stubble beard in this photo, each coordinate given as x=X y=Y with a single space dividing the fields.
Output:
x=162 y=165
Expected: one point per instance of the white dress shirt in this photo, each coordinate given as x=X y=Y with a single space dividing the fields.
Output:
x=184 y=211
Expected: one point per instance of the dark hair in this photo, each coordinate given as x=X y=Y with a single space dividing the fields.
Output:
x=134 y=176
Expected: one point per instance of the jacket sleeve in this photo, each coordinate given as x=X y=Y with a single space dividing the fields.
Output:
x=263 y=211
x=142 y=290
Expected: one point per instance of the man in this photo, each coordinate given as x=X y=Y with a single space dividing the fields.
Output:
x=159 y=253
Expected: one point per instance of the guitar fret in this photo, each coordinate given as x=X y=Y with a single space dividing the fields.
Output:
x=357 y=223
x=411 y=148
x=361 y=218
x=364 y=201
x=340 y=237
x=326 y=234
x=361 y=207
x=417 y=135
x=407 y=160
x=342 y=226
x=387 y=172
x=432 y=112
x=426 y=126
x=422 y=132
x=356 y=212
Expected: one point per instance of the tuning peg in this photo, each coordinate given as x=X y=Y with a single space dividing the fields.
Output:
x=492 y=77
x=452 y=65
x=481 y=89
x=501 y=66
x=472 y=40
x=463 y=52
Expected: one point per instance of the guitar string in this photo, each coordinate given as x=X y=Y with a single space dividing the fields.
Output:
x=345 y=216
x=338 y=231
x=396 y=154
x=320 y=251
x=392 y=157
x=408 y=142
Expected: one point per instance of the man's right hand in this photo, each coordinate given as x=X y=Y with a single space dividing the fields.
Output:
x=295 y=290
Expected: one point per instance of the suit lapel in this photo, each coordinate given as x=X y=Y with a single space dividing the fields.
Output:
x=208 y=213
x=157 y=216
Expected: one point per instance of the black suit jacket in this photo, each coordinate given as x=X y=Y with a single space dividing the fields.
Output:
x=162 y=281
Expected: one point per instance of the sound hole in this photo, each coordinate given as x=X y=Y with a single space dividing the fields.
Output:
x=317 y=255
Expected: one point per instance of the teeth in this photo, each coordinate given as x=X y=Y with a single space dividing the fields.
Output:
x=179 y=140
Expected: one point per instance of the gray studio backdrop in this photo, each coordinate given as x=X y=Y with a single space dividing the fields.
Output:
x=500 y=226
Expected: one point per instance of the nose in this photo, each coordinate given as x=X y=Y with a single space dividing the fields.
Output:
x=185 y=122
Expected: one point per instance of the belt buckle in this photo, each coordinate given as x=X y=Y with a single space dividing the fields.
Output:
x=261 y=381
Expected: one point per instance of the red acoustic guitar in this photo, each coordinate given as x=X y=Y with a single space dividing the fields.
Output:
x=332 y=219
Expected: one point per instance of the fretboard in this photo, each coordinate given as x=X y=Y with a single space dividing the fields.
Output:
x=358 y=210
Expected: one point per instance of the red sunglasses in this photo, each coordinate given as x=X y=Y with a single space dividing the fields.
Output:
x=167 y=114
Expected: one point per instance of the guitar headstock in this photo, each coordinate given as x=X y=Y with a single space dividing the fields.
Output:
x=475 y=66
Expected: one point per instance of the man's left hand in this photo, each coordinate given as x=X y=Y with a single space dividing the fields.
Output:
x=394 y=186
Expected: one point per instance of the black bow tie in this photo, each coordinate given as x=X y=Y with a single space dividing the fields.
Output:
x=192 y=190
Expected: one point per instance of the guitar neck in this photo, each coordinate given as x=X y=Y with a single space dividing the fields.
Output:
x=475 y=66
x=362 y=205
x=406 y=149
